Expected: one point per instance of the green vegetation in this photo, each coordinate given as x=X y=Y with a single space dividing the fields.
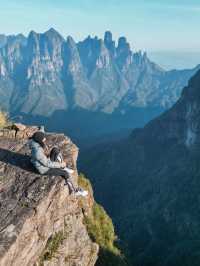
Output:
x=101 y=231
x=85 y=183
x=52 y=246
x=4 y=120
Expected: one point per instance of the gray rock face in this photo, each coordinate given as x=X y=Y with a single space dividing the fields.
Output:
x=45 y=70
x=40 y=223
x=152 y=184
x=109 y=43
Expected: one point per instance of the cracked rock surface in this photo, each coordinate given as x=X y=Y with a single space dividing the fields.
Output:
x=35 y=208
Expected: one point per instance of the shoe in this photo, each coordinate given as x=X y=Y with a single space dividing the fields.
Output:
x=81 y=192
x=68 y=170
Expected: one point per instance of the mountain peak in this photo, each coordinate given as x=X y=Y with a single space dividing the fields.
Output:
x=71 y=41
x=33 y=35
x=109 y=43
x=123 y=44
x=52 y=33
x=108 y=37
x=52 y=30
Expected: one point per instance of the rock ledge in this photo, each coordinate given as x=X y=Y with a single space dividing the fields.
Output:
x=37 y=211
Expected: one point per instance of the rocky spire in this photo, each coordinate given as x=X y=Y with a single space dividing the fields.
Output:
x=124 y=53
x=123 y=45
x=109 y=43
x=108 y=37
x=72 y=54
x=33 y=43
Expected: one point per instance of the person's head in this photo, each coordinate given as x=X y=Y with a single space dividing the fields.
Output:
x=40 y=138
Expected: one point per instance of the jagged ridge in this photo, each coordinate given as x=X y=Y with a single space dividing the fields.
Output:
x=45 y=70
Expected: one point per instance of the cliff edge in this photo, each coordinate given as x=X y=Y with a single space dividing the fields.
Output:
x=40 y=223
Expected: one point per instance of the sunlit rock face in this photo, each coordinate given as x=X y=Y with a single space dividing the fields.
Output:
x=40 y=223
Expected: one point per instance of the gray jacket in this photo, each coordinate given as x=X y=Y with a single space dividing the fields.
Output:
x=38 y=158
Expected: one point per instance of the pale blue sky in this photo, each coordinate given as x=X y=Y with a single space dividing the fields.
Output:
x=148 y=25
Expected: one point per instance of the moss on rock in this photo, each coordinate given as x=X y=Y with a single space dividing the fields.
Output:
x=101 y=230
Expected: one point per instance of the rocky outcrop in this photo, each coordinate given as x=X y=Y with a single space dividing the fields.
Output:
x=40 y=223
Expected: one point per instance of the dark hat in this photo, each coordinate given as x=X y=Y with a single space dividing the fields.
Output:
x=39 y=137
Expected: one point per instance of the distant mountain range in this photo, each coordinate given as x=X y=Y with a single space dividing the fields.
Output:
x=150 y=184
x=175 y=59
x=45 y=78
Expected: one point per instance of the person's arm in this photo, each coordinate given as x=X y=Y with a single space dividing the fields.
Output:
x=42 y=158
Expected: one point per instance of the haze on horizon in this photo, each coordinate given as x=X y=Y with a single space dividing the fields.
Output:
x=166 y=30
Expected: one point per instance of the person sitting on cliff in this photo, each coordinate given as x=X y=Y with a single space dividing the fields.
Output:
x=52 y=166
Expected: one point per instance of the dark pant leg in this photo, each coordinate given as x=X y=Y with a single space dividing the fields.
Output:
x=57 y=172
x=64 y=174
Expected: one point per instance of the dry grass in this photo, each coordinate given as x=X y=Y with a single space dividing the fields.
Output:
x=4 y=119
